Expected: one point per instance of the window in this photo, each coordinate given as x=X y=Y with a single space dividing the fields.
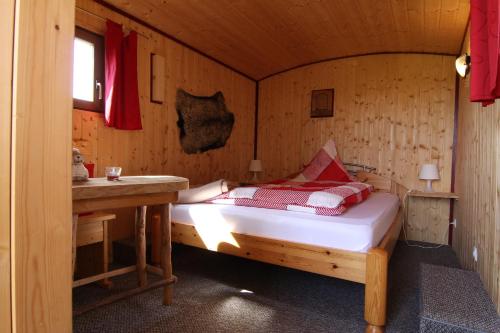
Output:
x=88 y=71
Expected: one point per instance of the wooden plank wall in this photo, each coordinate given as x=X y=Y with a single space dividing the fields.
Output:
x=6 y=40
x=156 y=149
x=393 y=112
x=478 y=184
x=41 y=166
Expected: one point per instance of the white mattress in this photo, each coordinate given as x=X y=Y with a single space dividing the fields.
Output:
x=358 y=229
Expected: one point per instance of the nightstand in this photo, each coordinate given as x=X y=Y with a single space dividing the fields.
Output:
x=427 y=216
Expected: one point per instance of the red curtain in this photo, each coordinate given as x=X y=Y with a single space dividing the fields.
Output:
x=121 y=93
x=112 y=71
x=485 y=51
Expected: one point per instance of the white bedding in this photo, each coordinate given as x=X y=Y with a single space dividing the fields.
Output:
x=360 y=228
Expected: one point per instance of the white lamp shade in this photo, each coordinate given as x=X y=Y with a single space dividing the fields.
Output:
x=255 y=166
x=429 y=172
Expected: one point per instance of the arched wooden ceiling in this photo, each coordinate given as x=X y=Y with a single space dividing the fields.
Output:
x=263 y=37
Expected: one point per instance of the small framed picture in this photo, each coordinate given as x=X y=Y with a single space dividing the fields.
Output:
x=322 y=102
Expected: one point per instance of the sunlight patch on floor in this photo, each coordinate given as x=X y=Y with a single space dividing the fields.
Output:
x=253 y=310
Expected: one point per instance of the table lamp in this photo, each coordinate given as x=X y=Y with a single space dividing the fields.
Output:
x=429 y=172
x=255 y=167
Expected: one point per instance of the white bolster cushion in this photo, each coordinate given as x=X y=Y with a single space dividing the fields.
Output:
x=243 y=192
x=203 y=193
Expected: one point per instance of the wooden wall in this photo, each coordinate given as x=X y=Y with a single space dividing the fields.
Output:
x=156 y=149
x=478 y=184
x=6 y=40
x=41 y=166
x=393 y=112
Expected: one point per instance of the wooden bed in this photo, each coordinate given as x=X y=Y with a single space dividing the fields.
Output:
x=369 y=268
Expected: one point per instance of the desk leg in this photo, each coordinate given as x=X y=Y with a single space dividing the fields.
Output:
x=106 y=283
x=73 y=244
x=140 y=245
x=166 y=252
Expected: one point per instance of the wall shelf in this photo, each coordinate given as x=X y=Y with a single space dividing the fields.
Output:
x=442 y=195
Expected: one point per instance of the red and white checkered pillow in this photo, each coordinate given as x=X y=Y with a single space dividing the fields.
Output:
x=326 y=165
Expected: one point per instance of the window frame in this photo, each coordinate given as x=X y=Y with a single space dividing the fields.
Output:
x=98 y=41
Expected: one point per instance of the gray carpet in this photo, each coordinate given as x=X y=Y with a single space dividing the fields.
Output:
x=220 y=293
x=455 y=301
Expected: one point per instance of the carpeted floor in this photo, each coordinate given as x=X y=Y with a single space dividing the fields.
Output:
x=219 y=293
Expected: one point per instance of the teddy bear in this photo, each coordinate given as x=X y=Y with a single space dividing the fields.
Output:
x=80 y=172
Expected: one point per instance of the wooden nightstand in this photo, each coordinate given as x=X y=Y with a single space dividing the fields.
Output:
x=427 y=216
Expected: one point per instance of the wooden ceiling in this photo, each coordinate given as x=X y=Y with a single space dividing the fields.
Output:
x=263 y=37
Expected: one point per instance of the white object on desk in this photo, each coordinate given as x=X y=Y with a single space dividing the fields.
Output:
x=429 y=172
x=113 y=173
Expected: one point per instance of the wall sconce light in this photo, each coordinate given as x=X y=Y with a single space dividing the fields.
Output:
x=462 y=64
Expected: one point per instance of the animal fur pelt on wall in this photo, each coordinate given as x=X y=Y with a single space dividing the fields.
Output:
x=205 y=122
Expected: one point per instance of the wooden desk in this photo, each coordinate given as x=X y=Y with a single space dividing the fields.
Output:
x=140 y=192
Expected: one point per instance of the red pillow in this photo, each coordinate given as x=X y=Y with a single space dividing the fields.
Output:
x=326 y=165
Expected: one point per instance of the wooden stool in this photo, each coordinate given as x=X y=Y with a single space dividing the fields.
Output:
x=93 y=229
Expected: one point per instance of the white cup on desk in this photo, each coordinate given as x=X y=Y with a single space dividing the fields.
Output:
x=113 y=173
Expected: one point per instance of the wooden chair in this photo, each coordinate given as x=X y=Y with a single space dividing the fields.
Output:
x=93 y=229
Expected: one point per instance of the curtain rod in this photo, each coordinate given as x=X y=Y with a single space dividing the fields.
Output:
x=105 y=19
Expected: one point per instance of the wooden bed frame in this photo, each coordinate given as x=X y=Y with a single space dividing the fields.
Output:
x=368 y=268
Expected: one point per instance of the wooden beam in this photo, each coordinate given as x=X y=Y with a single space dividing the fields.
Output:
x=41 y=165
x=105 y=275
x=6 y=53
x=154 y=270
x=125 y=294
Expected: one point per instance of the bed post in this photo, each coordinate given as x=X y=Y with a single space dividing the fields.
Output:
x=376 y=289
